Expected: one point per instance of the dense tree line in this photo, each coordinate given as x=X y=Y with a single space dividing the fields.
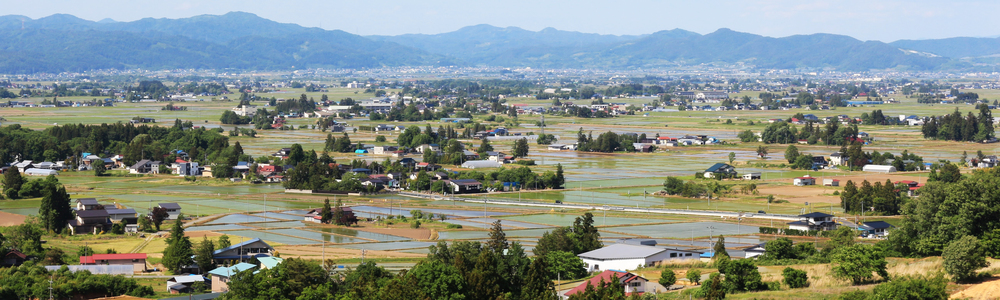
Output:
x=31 y=281
x=879 y=198
x=497 y=269
x=947 y=211
x=783 y=133
x=133 y=142
x=955 y=127
x=606 y=142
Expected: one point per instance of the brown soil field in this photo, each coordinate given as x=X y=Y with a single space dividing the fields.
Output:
x=9 y=219
x=417 y=234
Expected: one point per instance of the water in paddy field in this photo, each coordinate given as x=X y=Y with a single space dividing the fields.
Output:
x=682 y=230
x=218 y=227
x=250 y=234
x=381 y=237
x=240 y=218
x=568 y=219
x=390 y=245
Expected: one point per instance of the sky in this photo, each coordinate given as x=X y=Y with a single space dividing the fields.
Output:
x=884 y=20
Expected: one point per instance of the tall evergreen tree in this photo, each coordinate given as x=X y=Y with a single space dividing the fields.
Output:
x=178 y=252
x=536 y=283
x=12 y=182
x=326 y=214
x=204 y=255
x=720 y=248
x=498 y=239
x=338 y=213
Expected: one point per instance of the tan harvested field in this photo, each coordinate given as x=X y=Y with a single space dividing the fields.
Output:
x=9 y=219
x=982 y=291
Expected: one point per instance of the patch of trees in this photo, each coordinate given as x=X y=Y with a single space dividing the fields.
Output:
x=133 y=142
x=171 y=107
x=948 y=211
x=31 y=281
x=606 y=142
x=462 y=270
x=147 y=89
x=411 y=113
x=955 y=127
x=546 y=139
x=496 y=178
x=830 y=134
x=231 y=118
x=301 y=105
x=885 y=199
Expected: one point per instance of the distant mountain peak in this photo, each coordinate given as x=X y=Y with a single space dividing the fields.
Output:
x=107 y=21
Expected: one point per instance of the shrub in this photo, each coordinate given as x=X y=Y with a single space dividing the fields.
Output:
x=795 y=278
x=694 y=275
x=454 y=226
x=415 y=224
x=667 y=278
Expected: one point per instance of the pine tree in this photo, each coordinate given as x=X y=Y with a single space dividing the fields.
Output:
x=204 y=255
x=498 y=239
x=536 y=284
x=55 y=209
x=178 y=252
x=720 y=248
x=560 y=178
x=12 y=182
x=326 y=214
x=338 y=213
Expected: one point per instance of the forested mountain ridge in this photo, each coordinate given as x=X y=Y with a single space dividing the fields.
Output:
x=245 y=41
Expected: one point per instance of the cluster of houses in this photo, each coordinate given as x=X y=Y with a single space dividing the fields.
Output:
x=32 y=168
x=91 y=217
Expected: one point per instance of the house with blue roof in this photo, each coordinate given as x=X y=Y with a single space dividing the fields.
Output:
x=221 y=275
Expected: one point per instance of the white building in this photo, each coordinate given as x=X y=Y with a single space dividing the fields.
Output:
x=879 y=168
x=631 y=257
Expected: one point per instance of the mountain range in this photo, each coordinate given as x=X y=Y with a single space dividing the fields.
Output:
x=245 y=41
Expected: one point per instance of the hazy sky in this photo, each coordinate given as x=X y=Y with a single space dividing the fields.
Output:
x=885 y=20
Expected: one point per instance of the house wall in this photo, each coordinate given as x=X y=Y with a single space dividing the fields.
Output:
x=220 y=284
x=137 y=266
x=618 y=264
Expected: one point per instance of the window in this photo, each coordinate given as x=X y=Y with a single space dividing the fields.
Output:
x=673 y=255
x=688 y=254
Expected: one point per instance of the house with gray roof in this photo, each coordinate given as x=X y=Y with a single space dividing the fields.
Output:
x=630 y=257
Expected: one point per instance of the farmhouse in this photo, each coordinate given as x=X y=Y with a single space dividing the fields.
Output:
x=875 y=229
x=221 y=276
x=814 y=221
x=630 y=257
x=136 y=260
x=831 y=182
x=633 y=284
x=804 y=180
x=89 y=221
x=245 y=250
x=722 y=169
x=173 y=209
x=464 y=185
x=751 y=176
x=182 y=284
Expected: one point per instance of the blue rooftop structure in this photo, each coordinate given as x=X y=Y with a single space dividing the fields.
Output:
x=231 y=270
